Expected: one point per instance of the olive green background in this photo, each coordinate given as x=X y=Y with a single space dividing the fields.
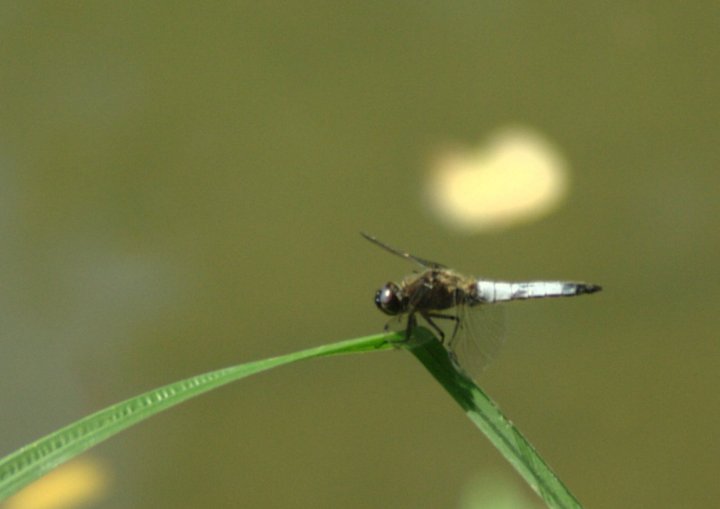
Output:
x=182 y=186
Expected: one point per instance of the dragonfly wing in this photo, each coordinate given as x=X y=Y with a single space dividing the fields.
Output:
x=479 y=338
x=402 y=254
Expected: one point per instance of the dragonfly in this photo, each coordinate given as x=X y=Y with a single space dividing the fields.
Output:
x=439 y=294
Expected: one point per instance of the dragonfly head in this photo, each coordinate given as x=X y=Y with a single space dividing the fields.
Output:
x=389 y=299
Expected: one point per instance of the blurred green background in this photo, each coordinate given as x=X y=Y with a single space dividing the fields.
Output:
x=182 y=186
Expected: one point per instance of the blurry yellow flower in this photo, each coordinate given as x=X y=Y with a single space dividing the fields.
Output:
x=517 y=176
x=78 y=482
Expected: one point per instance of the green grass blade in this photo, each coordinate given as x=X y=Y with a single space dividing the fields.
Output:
x=488 y=417
x=32 y=461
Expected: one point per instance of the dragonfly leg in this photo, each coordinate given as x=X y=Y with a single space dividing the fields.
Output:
x=429 y=316
x=437 y=329
x=410 y=327
x=412 y=320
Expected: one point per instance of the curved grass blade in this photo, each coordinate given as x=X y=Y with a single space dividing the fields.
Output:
x=487 y=416
x=32 y=461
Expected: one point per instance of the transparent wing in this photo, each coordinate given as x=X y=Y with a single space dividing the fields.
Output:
x=479 y=338
x=402 y=254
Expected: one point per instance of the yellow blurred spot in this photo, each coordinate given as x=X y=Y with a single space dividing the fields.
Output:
x=79 y=482
x=517 y=176
x=496 y=490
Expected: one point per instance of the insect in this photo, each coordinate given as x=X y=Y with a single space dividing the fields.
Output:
x=439 y=294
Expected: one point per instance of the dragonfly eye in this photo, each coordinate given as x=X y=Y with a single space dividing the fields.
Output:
x=388 y=300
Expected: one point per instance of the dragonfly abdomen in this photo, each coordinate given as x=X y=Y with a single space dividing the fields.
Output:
x=501 y=291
